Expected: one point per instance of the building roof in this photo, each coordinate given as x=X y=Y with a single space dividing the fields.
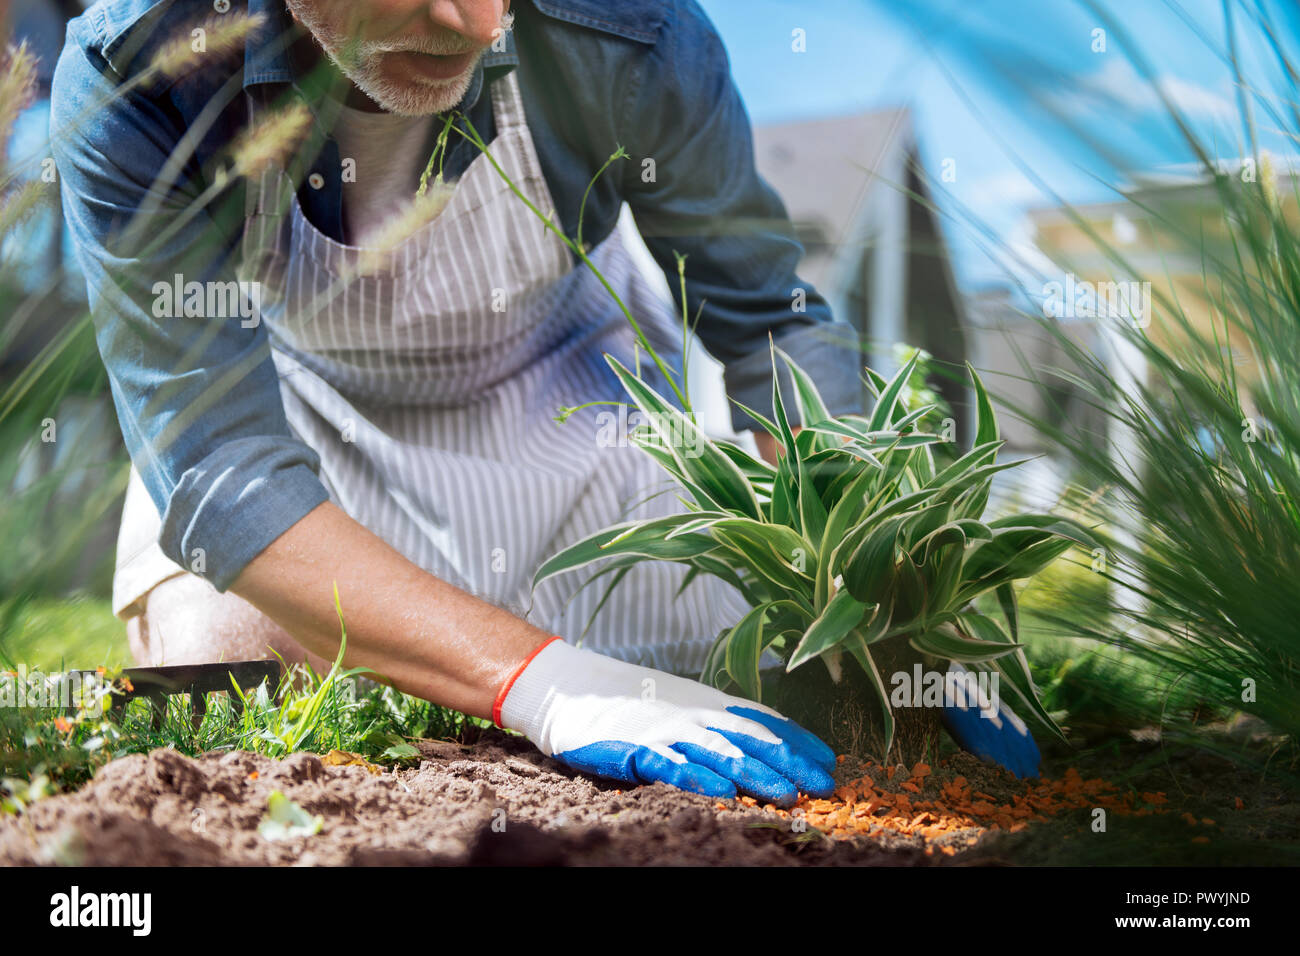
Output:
x=825 y=170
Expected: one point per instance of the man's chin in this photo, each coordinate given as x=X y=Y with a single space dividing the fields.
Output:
x=418 y=97
x=414 y=99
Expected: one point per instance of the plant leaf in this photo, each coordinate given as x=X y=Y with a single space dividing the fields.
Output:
x=837 y=522
x=715 y=673
x=1053 y=524
x=882 y=415
x=754 y=469
x=947 y=643
x=986 y=429
x=812 y=409
x=1015 y=671
x=977 y=456
x=842 y=614
x=1010 y=609
x=711 y=469
x=744 y=648
x=811 y=511
x=285 y=820
x=869 y=571
x=915 y=415
x=643 y=538
x=761 y=547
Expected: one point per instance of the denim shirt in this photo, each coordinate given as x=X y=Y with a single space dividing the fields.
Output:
x=198 y=400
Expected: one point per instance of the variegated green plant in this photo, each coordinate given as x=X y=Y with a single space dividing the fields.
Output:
x=853 y=538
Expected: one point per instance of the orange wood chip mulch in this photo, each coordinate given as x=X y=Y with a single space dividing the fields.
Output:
x=915 y=804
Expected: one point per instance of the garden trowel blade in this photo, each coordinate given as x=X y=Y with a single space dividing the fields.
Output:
x=198 y=680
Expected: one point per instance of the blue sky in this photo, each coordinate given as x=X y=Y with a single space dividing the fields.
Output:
x=990 y=83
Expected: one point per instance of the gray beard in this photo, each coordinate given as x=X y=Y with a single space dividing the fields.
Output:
x=359 y=61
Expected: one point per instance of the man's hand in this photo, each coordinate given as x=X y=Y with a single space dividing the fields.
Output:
x=613 y=719
x=992 y=732
x=768 y=446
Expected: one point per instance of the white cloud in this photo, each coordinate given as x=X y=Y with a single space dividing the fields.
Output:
x=1010 y=188
x=1118 y=83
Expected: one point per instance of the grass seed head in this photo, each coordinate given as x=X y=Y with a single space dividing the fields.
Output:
x=422 y=210
x=17 y=88
x=272 y=141
x=191 y=49
x=1268 y=180
x=18 y=204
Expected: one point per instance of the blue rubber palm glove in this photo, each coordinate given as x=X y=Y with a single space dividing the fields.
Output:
x=994 y=733
x=613 y=719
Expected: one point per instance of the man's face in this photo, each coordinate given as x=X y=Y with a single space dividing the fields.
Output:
x=413 y=57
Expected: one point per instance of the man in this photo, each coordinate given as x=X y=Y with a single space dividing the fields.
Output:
x=376 y=411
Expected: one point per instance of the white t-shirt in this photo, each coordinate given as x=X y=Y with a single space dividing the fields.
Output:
x=390 y=152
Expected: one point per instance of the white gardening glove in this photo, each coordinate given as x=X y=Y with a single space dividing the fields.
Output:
x=613 y=719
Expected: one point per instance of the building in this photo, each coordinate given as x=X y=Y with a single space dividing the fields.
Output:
x=856 y=192
x=1169 y=230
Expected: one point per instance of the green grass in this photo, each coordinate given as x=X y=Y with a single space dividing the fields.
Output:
x=1211 y=484
x=1093 y=687
x=43 y=750
x=306 y=712
x=1100 y=689
x=52 y=633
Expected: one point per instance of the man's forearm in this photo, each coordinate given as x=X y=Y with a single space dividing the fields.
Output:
x=422 y=634
x=426 y=636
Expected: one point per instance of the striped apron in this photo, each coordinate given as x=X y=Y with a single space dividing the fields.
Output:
x=428 y=378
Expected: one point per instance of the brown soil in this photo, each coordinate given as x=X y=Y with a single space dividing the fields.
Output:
x=164 y=808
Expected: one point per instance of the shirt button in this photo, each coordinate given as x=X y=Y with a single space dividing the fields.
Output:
x=316 y=181
x=221 y=6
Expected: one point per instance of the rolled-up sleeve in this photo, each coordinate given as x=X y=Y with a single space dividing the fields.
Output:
x=197 y=397
x=694 y=189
